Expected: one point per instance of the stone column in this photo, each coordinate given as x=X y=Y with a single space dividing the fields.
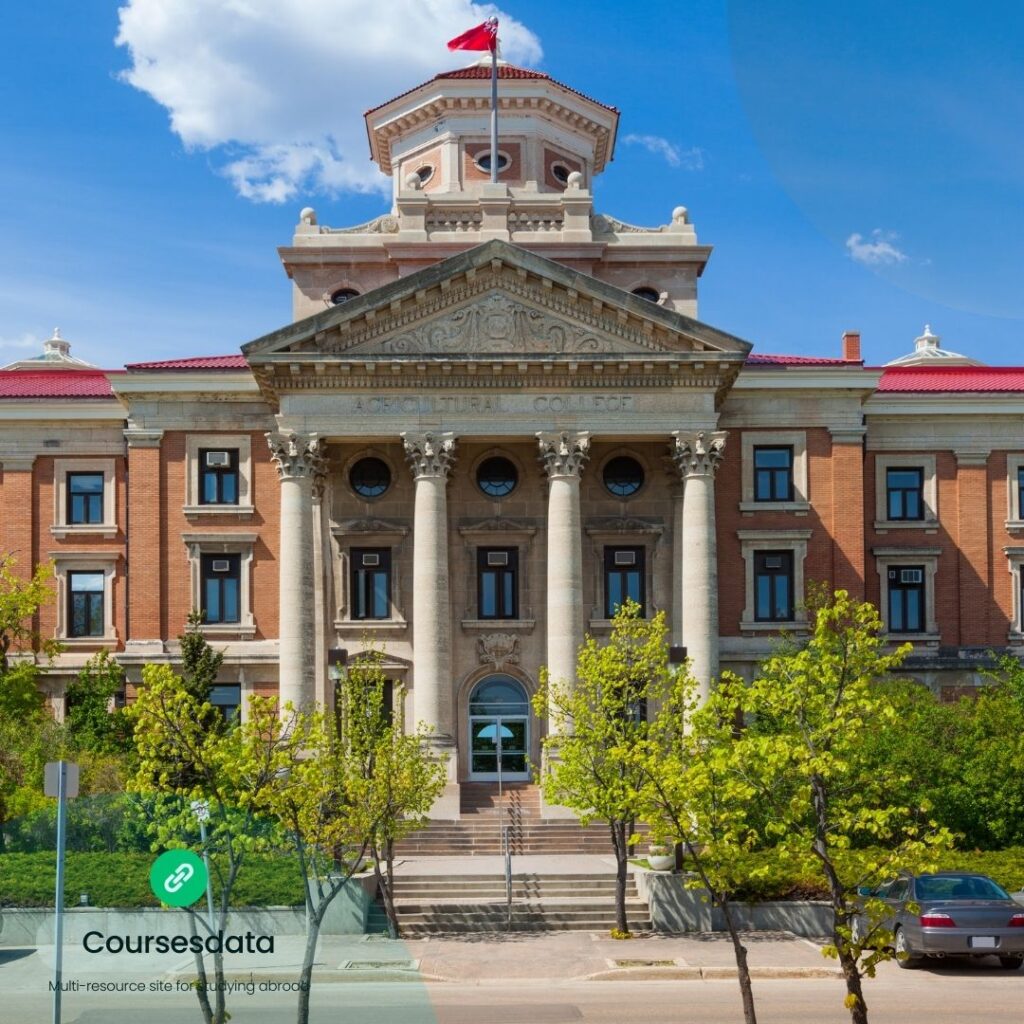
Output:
x=300 y=463
x=697 y=455
x=431 y=456
x=564 y=455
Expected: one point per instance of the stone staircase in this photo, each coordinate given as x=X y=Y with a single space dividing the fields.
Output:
x=438 y=904
x=478 y=832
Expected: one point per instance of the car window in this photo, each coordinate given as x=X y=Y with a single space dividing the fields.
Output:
x=959 y=887
x=898 y=890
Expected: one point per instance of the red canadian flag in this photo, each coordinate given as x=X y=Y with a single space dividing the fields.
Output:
x=483 y=37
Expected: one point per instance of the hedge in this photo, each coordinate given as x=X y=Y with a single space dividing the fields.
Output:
x=122 y=880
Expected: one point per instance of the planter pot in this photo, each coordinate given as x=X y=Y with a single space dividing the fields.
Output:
x=661 y=861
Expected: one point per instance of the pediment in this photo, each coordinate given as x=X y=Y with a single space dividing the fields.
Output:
x=496 y=301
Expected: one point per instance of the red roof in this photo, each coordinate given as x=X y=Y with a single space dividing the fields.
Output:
x=475 y=71
x=234 y=362
x=55 y=384
x=765 y=359
x=945 y=379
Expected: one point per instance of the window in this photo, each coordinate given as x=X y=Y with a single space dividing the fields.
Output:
x=623 y=579
x=906 y=599
x=85 y=498
x=370 y=477
x=483 y=161
x=904 y=493
x=342 y=295
x=371 y=583
x=497 y=476
x=1020 y=492
x=424 y=173
x=227 y=699
x=85 y=604
x=773 y=474
x=218 y=476
x=560 y=172
x=650 y=294
x=623 y=476
x=497 y=571
x=220 y=577
x=773 y=586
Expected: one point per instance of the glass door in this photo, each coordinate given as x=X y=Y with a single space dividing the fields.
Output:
x=499 y=730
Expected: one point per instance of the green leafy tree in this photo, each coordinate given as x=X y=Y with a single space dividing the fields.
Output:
x=404 y=778
x=693 y=792
x=200 y=666
x=591 y=761
x=832 y=812
x=230 y=770
x=91 y=722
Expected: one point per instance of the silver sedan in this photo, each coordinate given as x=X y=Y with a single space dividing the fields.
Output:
x=953 y=914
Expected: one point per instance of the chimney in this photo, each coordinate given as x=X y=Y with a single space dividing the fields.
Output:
x=851 y=346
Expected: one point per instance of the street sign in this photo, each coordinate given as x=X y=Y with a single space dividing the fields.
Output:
x=51 y=779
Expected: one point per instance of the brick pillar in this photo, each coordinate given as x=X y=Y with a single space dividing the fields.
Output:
x=974 y=544
x=144 y=578
x=848 y=510
x=16 y=526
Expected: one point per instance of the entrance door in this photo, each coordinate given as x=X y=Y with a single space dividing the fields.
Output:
x=499 y=730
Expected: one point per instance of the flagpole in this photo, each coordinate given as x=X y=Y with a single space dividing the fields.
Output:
x=494 y=111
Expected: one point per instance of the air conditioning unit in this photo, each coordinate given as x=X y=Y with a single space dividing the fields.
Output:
x=497 y=558
x=911 y=575
x=371 y=560
x=773 y=561
x=217 y=459
x=221 y=565
x=625 y=558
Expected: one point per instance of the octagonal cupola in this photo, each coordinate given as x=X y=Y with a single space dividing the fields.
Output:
x=435 y=137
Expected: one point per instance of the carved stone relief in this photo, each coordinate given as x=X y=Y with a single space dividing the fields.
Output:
x=498 y=649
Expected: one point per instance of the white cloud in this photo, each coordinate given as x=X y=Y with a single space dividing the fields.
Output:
x=879 y=250
x=26 y=340
x=689 y=159
x=279 y=87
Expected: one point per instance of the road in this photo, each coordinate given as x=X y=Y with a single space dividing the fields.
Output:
x=940 y=995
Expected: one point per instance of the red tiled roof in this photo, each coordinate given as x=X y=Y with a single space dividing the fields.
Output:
x=55 y=384
x=946 y=379
x=765 y=359
x=234 y=362
x=475 y=71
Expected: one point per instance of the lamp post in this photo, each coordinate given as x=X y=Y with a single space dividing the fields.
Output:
x=676 y=658
x=337 y=659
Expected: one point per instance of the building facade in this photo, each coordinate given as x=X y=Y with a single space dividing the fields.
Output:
x=495 y=416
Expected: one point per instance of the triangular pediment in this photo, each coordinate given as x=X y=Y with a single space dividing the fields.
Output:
x=496 y=301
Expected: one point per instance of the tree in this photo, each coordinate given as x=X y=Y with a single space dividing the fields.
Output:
x=591 y=762
x=200 y=666
x=404 y=778
x=91 y=723
x=231 y=770
x=693 y=793
x=805 y=757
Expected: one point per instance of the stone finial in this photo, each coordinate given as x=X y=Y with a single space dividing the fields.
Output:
x=680 y=215
x=563 y=453
x=698 y=454
x=430 y=454
x=413 y=181
x=307 y=215
x=575 y=181
x=298 y=455
x=927 y=340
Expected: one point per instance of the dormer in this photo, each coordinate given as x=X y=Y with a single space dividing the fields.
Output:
x=436 y=137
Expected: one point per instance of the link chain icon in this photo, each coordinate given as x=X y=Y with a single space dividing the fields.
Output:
x=178 y=878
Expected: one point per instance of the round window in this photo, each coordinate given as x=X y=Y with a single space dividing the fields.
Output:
x=560 y=172
x=343 y=295
x=497 y=476
x=623 y=476
x=650 y=294
x=483 y=161
x=425 y=173
x=370 y=477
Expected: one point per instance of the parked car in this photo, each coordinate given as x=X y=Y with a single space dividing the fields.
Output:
x=951 y=914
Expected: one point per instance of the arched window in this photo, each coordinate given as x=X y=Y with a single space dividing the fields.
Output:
x=342 y=295
x=650 y=294
x=499 y=695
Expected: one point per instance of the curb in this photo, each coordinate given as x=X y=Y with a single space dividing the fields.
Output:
x=709 y=973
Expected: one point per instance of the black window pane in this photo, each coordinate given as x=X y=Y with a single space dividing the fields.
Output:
x=497 y=583
x=773 y=474
x=85 y=498
x=85 y=604
x=370 y=583
x=905 y=493
x=773 y=586
x=221 y=589
x=623 y=476
x=370 y=477
x=497 y=476
x=218 y=476
x=624 y=578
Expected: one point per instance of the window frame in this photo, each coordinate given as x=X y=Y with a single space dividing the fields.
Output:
x=207 y=576
x=68 y=562
x=194 y=507
x=62 y=526
x=219 y=473
x=87 y=495
x=609 y=569
x=892 y=490
x=1015 y=565
x=217 y=544
x=799 y=501
x=511 y=570
x=787 y=572
x=773 y=475
x=755 y=542
x=361 y=586
x=897 y=586
x=1015 y=493
x=909 y=557
x=926 y=461
x=92 y=596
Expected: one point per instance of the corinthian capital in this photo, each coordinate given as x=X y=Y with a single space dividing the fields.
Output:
x=698 y=454
x=565 y=452
x=430 y=454
x=298 y=455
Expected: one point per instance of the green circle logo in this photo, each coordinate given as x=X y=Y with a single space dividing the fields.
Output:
x=178 y=878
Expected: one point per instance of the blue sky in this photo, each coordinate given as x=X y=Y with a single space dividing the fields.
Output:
x=856 y=166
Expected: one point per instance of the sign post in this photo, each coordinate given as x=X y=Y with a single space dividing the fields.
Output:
x=60 y=780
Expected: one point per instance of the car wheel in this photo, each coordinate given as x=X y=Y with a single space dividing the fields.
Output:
x=1010 y=963
x=904 y=957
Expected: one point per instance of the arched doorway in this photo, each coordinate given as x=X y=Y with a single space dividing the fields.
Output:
x=499 y=728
